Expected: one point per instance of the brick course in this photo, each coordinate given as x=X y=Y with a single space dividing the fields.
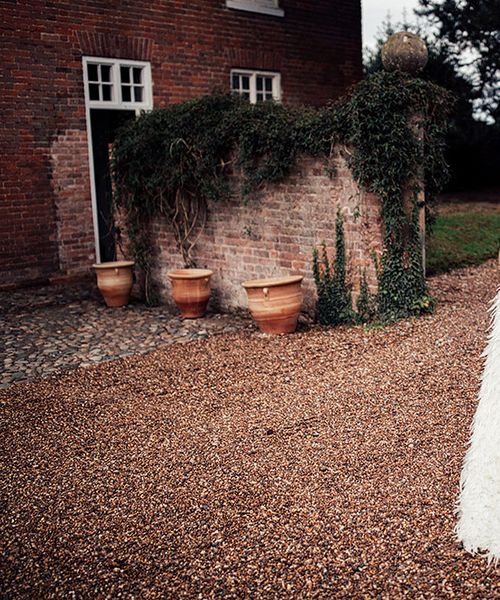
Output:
x=45 y=208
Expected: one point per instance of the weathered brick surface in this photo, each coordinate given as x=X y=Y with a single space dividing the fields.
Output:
x=71 y=191
x=274 y=234
x=46 y=227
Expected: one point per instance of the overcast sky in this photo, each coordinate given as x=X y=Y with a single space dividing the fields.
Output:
x=375 y=11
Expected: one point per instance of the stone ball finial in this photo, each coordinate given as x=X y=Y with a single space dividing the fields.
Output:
x=404 y=51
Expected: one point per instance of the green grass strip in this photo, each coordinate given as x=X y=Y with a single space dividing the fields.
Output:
x=462 y=239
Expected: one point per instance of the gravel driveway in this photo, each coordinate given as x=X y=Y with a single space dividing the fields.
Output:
x=321 y=464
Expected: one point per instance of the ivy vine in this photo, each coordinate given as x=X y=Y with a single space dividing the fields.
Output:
x=366 y=304
x=395 y=125
x=334 y=305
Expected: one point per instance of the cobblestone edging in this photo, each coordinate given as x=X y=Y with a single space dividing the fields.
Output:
x=48 y=329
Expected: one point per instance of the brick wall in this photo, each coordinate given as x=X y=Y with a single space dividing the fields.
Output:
x=46 y=226
x=70 y=185
x=274 y=234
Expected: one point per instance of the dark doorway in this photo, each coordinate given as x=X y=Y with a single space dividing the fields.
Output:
x=104 y=124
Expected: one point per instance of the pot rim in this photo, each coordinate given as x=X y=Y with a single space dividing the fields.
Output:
x=190 y=273
x=116 y=264
x=272 y=281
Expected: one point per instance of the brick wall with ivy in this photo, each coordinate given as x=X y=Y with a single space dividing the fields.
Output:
x=275 y=232
x=174 y=163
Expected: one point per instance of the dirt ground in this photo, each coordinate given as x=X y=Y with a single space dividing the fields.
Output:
x=323 y=464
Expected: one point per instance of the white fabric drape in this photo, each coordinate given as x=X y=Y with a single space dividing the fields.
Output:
x=478 y=525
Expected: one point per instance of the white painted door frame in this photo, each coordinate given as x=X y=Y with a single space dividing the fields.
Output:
x=115 y=103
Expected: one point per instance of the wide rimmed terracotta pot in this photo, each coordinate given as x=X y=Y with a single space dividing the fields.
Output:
x=191 y=291
x=275 y=302
x=115 y=280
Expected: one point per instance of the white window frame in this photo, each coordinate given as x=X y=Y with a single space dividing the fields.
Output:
x=264 y=7
x=115 y=104
x=276 y=76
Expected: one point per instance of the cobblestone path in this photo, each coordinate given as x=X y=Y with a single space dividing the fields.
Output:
x=53 y=328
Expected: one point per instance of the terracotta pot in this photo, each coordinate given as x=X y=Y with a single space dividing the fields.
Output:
x=191 y=291
x=275 y=303
x=114 y=280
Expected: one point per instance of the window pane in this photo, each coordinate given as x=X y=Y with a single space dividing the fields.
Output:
x=260 y=97
x=235 y=85
x=138 y=94
x=137 y=72
x=105 y=72
x=92 y=73
x=126 y=94
x=94 y=91
x=259 y=84
x=268 y=97
x=125 y=74
x=269 y=84
x=245 y=80
x=106 y=93
x=246 y=95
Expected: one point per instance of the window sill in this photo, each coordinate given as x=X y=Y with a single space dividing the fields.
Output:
x=251 y=7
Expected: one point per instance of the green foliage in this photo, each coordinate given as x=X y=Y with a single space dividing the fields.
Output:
x=268 y=138
x=374 y=326
x=401 y=285
x=366 y=304
x=462 y=239
x=376 y=122
x=334 y=306
x=423 y=305
x=389 y=160
x=188 y=146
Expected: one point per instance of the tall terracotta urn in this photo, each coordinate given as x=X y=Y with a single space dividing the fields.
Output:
x=275 y=302
x=115 y=280
x=191 y=291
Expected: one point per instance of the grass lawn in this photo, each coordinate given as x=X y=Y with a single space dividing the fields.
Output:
x=463 y=238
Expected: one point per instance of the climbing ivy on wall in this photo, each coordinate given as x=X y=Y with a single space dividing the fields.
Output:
x=366 y=304
x=171 y=162
x=334 y=305
x=391 y=155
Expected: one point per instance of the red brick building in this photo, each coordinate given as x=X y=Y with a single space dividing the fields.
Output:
x=71 y=71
